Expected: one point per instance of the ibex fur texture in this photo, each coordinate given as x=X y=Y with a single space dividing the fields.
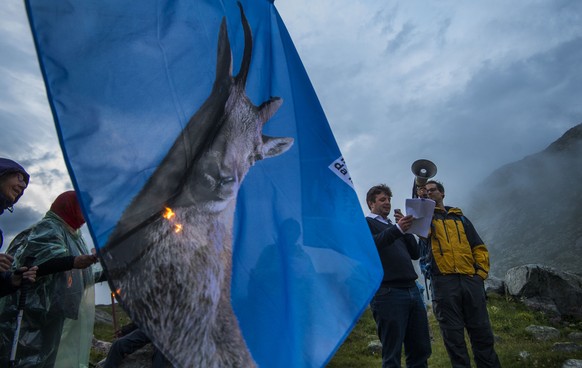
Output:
x=170 y=255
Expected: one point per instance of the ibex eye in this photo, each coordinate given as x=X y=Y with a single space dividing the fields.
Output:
x=254 y=157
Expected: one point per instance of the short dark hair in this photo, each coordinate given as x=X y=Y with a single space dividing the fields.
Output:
x=438 y=184
x=376 y=190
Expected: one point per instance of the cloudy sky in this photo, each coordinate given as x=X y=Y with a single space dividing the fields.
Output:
x=470 y=85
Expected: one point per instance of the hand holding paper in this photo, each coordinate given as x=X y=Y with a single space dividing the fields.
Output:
x=422 y=210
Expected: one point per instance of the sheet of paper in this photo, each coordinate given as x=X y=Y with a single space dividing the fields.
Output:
x=422 y=210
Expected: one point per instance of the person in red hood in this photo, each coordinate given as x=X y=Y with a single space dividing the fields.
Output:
x=59 y=314
x=67 y=207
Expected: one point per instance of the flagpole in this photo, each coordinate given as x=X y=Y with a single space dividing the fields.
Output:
x=113 y=313
x=24 y=285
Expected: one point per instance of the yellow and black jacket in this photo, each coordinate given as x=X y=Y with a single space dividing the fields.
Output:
x=453 y=246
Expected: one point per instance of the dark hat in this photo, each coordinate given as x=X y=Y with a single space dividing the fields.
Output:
x=7 y=167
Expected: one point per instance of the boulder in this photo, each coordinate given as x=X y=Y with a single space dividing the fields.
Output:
x=543 y=333
x=375 y=347
x=103 y=317
x=567 y=347
x=494 y=285
x=101 y=346
x=572 y=363
x=546 y=289
x=523 y=355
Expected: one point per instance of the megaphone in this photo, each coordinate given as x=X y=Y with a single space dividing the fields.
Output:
x=423 y=170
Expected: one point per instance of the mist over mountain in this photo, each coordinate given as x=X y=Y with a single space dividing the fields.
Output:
x=530 y=211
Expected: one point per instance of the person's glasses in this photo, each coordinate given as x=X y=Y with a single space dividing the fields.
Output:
x=430 y=190
x=21 y=178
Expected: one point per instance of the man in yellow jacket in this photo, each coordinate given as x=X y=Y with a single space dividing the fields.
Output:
x=457 y=263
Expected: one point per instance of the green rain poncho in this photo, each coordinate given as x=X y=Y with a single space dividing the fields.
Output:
x=57 y=326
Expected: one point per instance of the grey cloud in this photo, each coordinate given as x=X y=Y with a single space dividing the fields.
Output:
x=385 y=18
x=402 y=38
x=15 y=222
x=17 y=66
x=39 y=161
x=14 y=130
x=442 y=29
x=25 y=131
x=40 y=168
x=566 y=6
x=523 y=97
x=16 y=59
x=49 y=178
x=505 y=112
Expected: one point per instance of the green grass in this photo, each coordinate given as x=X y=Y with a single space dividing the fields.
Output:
x=354 y=352
x=509 y=320
x=105 y=331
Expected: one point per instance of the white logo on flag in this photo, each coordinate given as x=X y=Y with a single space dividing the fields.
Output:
x=340 y=168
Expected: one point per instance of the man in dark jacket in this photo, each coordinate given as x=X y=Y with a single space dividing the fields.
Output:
x=397 y=307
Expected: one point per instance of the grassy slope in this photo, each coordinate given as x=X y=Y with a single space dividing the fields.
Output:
x=509 y=321
x=104 y=331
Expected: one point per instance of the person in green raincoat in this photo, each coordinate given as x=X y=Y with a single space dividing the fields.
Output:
x=57 y=326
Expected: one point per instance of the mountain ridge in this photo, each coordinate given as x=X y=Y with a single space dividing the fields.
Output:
x=531 y=210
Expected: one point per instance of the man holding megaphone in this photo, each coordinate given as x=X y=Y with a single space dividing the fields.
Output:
x=457 y=263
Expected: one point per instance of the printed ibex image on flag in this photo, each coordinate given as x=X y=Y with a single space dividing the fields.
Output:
x=162 y=109
x=187 y=238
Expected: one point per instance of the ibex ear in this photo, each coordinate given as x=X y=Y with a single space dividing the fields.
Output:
x=275 y=146
x=269 y=108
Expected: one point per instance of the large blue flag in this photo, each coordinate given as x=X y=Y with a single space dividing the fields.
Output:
x=162 y=108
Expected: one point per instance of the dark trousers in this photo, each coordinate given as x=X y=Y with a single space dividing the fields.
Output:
x=459 y=303
x=400 y=317
x=127 y=345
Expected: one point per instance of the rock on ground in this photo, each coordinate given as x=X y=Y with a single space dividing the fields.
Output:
x=568 y=347
x=543 y=333
x=547 y=289
x=572 y=363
